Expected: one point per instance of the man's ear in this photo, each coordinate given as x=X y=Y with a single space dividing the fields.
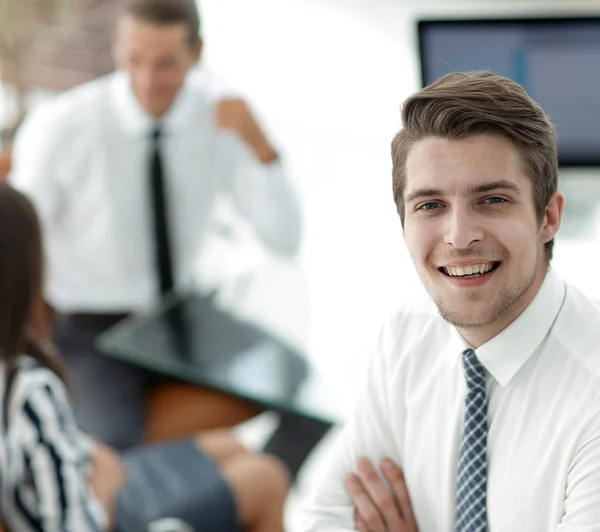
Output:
x=552 y=217
x=197 y=50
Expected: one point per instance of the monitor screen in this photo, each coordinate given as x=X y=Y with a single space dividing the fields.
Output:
x=556 y=59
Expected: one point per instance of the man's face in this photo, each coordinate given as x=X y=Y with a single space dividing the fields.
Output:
x=157 y=59
x=472 y=231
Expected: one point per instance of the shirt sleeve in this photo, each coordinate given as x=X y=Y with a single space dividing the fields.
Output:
x=582 y=494
x=367 y=434
x=54 y=491
x=264 y=196
x=34 y=164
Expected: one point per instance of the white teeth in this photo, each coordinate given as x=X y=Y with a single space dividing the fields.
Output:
x=457 y=271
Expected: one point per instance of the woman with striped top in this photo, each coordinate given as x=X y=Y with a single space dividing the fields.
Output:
x=55 y=478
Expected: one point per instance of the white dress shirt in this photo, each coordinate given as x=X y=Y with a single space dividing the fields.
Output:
x=44 y=459
x=84 y=159
x=543 y=390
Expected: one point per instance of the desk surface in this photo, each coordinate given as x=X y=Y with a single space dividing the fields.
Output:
x=192 y=340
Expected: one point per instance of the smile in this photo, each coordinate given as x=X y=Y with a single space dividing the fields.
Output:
x=472 y=271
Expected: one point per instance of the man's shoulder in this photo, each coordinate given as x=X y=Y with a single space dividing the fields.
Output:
x=208 y=87
x=90 y=90
x=577 y=328
x=76 y=106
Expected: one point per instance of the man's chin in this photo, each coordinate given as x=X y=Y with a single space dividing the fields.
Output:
x=465 y=315
x=154 y=106
x=465 y=322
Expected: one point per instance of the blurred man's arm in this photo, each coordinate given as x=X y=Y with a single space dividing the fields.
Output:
x=36 y=163
x=233 y=114
x=258 y=182
x=368 y=434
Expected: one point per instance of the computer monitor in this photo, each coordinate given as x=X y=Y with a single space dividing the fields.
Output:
x=556 y=59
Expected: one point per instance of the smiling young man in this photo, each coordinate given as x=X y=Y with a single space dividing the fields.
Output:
x=481 y=410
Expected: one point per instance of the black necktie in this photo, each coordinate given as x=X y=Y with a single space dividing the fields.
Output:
x=163 y=255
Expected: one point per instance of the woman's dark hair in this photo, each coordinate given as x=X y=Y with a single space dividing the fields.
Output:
x=21 y=274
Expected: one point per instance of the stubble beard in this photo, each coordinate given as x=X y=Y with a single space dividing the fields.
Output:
x=506 y=301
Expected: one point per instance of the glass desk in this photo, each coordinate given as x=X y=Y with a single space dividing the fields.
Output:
x=192 y=340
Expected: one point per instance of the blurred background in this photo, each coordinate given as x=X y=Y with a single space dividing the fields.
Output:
x=326 y=78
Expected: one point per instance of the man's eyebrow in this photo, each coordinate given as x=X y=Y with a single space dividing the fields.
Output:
x=424 y=193
x=501 y=184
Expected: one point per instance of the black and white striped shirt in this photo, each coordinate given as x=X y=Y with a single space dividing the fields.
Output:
x=45 y=461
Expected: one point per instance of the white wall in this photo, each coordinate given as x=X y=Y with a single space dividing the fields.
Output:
x=328 y=77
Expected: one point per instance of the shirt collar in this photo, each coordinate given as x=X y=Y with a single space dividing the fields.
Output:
x=505 y=354
x=134 y=117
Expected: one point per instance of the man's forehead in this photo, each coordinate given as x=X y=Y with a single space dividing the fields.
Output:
x=465 y=166
x=128 y=24
x=464 y=187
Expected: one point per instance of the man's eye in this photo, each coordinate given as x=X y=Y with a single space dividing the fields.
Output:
x=494 y=200
x=429 y=206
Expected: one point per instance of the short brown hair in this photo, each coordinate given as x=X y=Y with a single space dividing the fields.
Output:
x=460 y=105
x=164 y=12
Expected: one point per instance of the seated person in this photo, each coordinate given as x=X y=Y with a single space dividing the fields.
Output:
x=124 y=172
x=481 y=407
x=55 y=477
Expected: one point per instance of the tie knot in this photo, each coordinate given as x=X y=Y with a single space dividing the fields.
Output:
x=156 y=134
x=474 y=370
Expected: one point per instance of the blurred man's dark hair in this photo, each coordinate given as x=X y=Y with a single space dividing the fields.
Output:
x=166 y=12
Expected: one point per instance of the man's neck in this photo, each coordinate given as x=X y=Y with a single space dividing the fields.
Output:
x=478 y=336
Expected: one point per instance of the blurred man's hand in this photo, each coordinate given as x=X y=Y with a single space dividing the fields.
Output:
x=377 y=508
x=234 y=115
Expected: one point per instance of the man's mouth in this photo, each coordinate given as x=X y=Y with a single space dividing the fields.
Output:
x=472 y=271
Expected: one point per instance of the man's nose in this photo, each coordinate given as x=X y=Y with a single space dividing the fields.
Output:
x=462 y=228
x=147 y=78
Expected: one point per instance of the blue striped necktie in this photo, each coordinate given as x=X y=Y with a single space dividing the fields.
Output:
x=471 y=489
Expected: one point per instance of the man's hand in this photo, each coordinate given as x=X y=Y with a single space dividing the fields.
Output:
x=377 y=508
x=234 y=115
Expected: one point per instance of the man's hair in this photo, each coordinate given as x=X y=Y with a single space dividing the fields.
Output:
x=165 y=12
x=460 y=105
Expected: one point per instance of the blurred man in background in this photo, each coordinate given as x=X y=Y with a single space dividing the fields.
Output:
x=124 y=171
